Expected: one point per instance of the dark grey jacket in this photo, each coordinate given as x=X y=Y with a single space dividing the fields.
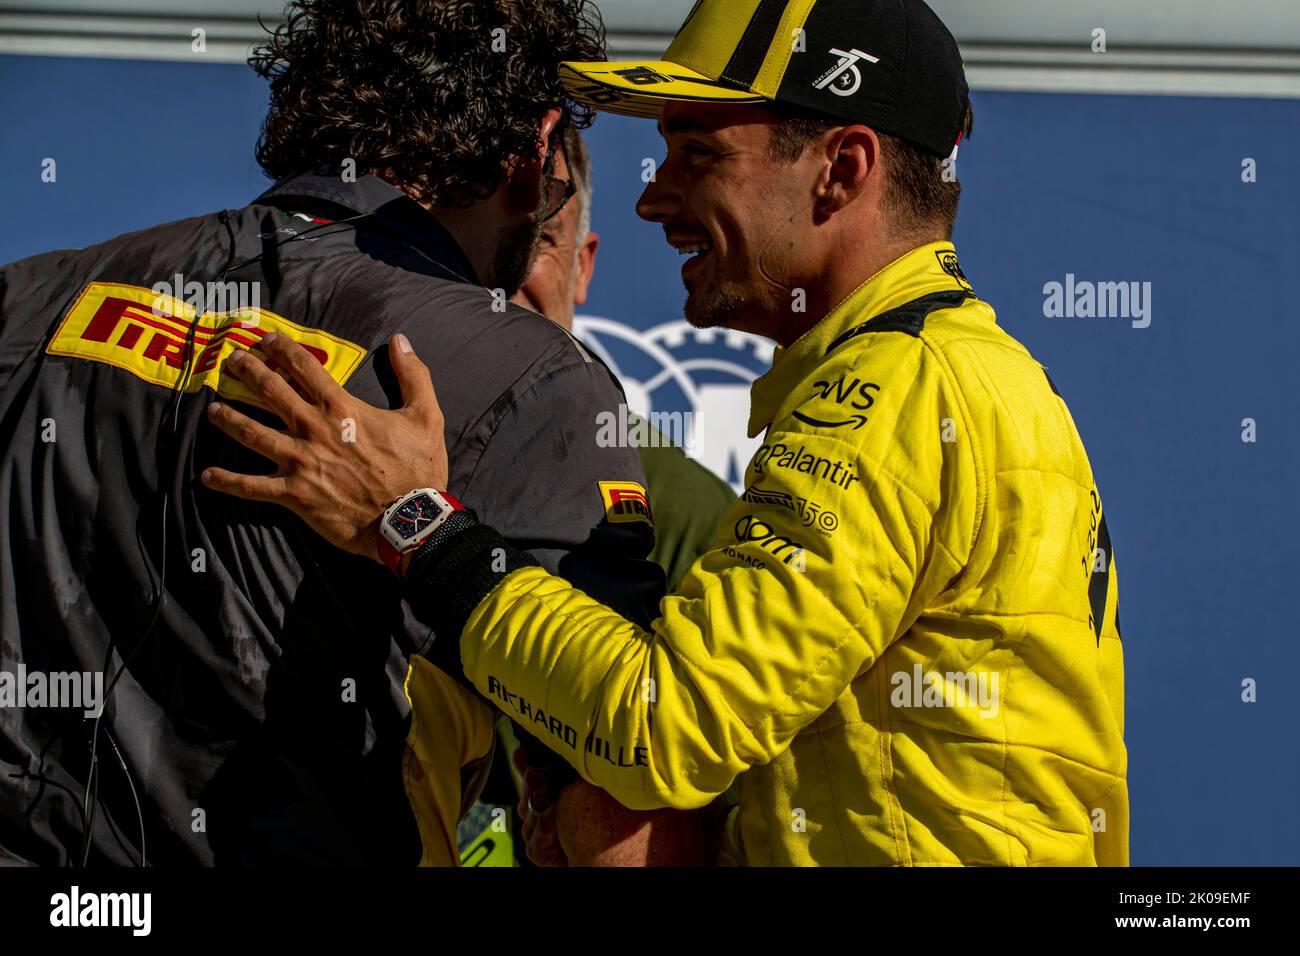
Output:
x=232 y=704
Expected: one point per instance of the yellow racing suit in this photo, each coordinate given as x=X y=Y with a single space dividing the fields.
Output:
x=906 y=636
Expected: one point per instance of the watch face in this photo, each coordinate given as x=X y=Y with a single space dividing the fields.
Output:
x=414 y=516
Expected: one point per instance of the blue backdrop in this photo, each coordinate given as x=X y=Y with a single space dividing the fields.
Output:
x=1109 y=188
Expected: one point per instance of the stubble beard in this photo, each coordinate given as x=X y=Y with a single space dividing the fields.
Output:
x=712 y=308
x=516 y=254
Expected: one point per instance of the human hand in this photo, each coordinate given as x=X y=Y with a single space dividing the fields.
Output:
x=340 y=462
x=539 y=815
x=583 y=825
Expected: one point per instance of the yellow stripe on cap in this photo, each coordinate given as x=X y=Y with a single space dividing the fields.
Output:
x=778 y=56
x=710 y=36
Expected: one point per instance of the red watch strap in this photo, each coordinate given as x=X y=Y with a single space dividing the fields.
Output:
x=388 y=554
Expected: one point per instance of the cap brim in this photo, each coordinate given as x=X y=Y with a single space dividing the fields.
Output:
x=642 y=87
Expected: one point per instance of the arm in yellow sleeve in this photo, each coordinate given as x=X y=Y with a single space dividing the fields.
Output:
x=822 y=563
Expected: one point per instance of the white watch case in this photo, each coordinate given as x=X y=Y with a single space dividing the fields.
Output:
x=408 y=521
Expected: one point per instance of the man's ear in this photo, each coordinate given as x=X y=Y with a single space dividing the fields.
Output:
x=526 y=185
x=852 y=166
x=586 y=267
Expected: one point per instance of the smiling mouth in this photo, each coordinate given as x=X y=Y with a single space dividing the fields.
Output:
x=698 y=256
x=698 y=253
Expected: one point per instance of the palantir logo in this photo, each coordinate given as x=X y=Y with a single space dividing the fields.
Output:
x=844 y=78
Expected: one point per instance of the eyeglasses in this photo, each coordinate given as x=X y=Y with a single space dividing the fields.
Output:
x=558 y=193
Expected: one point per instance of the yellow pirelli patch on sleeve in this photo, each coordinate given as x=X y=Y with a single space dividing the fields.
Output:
x=144 y=333
x=625 y=501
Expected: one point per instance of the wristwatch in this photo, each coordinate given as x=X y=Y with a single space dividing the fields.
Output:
x=411 y=520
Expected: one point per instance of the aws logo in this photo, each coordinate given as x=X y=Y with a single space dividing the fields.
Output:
x=144 y=333
x=855 y=394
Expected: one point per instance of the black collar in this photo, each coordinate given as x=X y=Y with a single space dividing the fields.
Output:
x=385 y=206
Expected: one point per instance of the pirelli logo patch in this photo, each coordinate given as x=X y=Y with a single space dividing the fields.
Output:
x=138 y=330
x=625 y=501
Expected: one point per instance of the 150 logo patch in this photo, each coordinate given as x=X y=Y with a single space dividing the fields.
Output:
x=809 y=512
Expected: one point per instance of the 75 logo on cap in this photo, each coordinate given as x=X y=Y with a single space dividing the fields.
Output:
x=844 y=78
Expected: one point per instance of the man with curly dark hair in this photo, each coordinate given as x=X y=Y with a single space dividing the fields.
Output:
x=442 y=99
x=254 y=676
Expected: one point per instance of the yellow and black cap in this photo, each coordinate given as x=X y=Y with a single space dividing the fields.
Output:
x=890 y=64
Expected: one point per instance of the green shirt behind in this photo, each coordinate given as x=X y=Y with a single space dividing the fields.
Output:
x=688 y=503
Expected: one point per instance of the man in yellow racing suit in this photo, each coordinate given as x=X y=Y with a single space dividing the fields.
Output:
x=907 y=634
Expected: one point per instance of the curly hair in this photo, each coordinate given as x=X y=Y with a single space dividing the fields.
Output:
x=445 y=96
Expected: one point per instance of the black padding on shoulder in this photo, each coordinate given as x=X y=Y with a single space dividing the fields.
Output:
x=909 y=317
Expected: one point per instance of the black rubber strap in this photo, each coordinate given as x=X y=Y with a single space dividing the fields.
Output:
x=450 y=576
